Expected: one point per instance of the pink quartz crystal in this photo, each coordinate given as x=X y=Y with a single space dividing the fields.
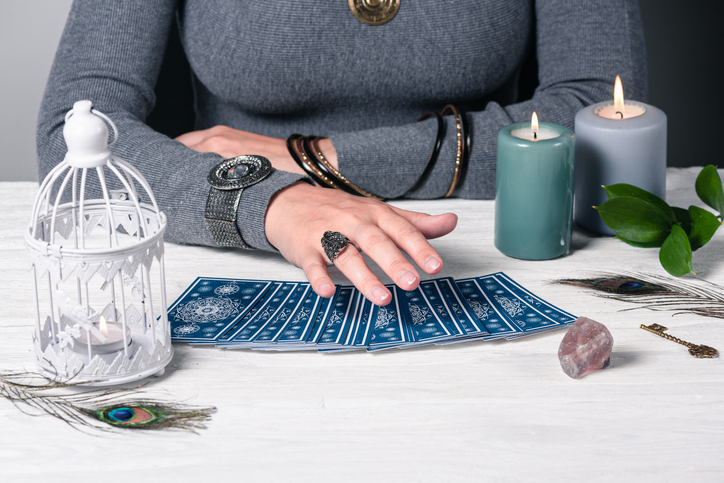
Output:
x=585 y=348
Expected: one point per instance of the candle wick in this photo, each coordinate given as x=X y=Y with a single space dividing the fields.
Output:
x=619 y=112
x=535 y=136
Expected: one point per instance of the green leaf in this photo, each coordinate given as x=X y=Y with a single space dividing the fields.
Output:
x=653 y=244
x=634 y=219
x=683 y=219
x=703 y=226
x=623 y=189
x=709 y=188
x=675 y=254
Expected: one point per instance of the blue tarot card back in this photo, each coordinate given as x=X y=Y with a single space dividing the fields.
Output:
x=212 y=306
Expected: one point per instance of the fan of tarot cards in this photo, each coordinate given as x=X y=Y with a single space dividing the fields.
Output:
x=286 y=316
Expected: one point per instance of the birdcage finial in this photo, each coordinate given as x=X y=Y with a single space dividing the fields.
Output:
x=86 y=136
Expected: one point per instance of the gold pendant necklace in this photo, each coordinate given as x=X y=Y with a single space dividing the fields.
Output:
x=374 y=12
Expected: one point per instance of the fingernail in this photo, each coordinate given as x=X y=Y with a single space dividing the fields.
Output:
x=407 y=278
x=326 y=287
x=432 y=263
x=380 y=293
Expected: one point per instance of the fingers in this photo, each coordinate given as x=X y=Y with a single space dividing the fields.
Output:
x=206 y=140
x=383 y=244
x=228 y=142
x=380 y=248
x=221 y=140
x=431 y=226
x=353 y=266
x=381 y=231
x=316 y=272
x=192 y=138
x=396 y=232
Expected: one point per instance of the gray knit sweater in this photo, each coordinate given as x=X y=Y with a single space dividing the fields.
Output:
x=276 y=67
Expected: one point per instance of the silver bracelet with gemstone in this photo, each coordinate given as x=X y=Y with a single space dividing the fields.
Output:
x=228 y=180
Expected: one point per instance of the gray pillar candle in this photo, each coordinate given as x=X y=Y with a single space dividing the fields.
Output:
x=611 y=149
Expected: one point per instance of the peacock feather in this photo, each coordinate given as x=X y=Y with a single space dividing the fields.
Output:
x=655 y=292
x=100 y=409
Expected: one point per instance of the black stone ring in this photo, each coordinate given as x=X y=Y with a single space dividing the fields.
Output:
x=334 y=243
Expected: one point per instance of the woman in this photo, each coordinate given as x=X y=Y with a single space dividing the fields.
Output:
x=266 y=70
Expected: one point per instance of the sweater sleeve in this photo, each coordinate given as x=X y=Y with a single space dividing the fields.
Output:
x=581 y=45
x=110 y=53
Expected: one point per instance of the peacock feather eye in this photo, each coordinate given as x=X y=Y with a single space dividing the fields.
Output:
x=128 y=415
x=150 y=415
x=122 y=415
x=631 y=285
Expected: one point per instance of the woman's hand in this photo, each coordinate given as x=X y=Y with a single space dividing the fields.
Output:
x=229 y=142
x=299 y=215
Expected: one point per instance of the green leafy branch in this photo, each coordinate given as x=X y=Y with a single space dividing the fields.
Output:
x=644 y=220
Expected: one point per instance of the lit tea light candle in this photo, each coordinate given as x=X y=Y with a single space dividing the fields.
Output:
x=617 y=142
x=113 y=332
x=619 y=109
x=534 y=190
x=534 y=132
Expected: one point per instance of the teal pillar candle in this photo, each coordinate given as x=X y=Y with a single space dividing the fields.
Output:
x=534 y=191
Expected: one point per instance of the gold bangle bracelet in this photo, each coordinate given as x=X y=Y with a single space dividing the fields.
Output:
x=460 y=148
x=314 y=142
x=314 y=158
x=307 y=164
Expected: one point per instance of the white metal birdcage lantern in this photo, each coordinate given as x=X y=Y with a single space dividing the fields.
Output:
x=95 y=243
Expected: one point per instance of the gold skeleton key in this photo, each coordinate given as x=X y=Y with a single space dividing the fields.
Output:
x=695 y=350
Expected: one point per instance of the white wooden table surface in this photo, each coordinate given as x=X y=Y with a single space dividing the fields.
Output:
x=499 y=411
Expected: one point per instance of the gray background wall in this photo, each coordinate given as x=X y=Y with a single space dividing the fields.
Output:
x=685 y=46
x=29 y=34
x=685 y=49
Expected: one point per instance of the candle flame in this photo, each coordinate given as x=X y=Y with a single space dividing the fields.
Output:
x=618 y=95
x=102 y=326
x=534 y=122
